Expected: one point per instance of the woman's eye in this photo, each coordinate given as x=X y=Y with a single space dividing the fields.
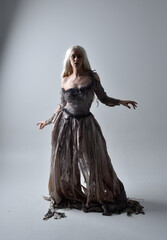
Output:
x=74 y=56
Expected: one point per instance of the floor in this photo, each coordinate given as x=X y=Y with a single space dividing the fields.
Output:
x=23 y=183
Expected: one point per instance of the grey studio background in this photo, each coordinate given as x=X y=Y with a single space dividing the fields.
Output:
x=126 y=43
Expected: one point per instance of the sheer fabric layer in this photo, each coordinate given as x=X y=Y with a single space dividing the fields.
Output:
x=78 y=146
x=79 y=149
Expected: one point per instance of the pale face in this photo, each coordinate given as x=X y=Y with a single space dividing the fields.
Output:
x=76 y=59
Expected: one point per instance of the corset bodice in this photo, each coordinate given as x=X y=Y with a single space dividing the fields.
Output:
x=79 y=100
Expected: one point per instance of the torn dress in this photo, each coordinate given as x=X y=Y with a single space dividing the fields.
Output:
x=79 y=148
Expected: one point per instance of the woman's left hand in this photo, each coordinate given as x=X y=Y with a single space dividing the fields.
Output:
x=126 y=103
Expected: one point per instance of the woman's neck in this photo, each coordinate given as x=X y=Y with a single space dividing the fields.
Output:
x=78 y=72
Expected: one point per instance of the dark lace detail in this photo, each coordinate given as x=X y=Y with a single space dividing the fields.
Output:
x=77 y=116
x=76 y=90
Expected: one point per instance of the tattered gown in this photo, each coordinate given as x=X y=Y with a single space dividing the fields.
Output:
x=79 y=149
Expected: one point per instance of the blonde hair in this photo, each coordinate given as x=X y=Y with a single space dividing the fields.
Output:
x=67 y=68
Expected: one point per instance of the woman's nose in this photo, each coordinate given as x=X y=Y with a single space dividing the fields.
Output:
x=76 y=58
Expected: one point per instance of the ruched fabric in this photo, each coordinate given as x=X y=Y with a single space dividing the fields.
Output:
x=79 y=152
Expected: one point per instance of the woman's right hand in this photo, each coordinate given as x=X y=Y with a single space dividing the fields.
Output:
x=42 y=124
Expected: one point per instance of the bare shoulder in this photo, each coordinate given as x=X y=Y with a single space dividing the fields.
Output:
x=96 y=76
x=63 y=81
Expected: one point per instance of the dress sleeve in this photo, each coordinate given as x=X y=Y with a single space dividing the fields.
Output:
x=102 y=96
x=61 y=104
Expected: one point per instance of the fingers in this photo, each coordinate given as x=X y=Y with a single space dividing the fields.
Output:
x=128 y=103
x=39 y=123
x=42 y=125
x=134 y=104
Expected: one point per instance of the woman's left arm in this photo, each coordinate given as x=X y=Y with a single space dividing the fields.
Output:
x=109 y=101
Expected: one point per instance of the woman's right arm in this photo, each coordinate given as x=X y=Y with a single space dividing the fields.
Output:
x=48 y=121
x=60 y=106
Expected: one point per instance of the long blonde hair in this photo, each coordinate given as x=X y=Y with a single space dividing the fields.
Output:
x=67 y=68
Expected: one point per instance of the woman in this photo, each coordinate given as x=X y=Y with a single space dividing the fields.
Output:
x=79 y=148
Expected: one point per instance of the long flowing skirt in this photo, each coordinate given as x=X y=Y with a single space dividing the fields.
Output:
x=79 y=152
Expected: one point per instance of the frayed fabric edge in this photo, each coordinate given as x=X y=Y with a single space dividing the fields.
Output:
x=130 y=207
x=52 y=211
